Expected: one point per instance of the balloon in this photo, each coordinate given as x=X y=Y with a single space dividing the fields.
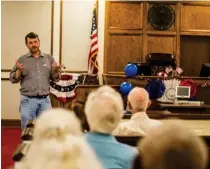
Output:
x=125 y=88
x=131 y=69
x=155 y=88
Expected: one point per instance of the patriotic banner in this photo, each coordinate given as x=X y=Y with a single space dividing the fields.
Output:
x=64 y=89
x=92 y=59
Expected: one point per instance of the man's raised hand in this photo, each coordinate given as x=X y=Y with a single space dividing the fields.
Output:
x=20 y=66
x=56 y=67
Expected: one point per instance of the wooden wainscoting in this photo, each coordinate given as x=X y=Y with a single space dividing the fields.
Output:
x=117 y=79
x=129 y=37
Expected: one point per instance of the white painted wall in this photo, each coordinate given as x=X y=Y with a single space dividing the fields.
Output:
x=21 y=17
x=10 y=99
x=18 y=19
x=56 y=30
x=77 y=18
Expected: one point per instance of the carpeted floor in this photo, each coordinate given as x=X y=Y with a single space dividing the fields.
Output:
x=10 y=138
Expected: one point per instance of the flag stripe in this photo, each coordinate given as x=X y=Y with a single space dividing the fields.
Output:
x=94 y=43
x=94 y=40
x=92 y=58
x=94 y=49
x=94 y=35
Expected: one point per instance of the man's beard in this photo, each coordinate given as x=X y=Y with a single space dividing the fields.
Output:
x=34 y=49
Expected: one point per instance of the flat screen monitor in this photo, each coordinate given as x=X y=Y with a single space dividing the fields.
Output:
x=205 y=70
x=183 y=92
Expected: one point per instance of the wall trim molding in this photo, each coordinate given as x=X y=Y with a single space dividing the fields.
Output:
x=61 y=31
x=7 y=79
x=10 y=123
x=52 y=27
x=6 y=70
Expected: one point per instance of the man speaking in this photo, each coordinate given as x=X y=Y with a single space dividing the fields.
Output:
x=34 y=71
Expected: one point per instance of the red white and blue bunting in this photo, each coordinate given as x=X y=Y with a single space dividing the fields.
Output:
x=64 y=89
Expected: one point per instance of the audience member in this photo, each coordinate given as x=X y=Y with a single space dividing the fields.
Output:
x=139 y=123
x=58 y=143
x=78 y=107
x=172 y=146
x=104 y=110
x=71 y=152
x=56 y=123
x=106 y=88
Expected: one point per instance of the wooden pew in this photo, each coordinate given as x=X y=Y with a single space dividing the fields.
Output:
x=129 y=140
x=133 y=140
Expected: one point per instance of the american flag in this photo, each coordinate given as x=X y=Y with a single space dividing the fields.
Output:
x=92 y=59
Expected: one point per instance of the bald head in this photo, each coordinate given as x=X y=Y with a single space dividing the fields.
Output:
x=138 y=99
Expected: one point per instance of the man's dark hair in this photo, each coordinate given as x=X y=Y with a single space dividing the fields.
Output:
x=31 y=35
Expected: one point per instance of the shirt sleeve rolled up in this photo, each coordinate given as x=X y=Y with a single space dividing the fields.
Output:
x=56 y=75
x=13 y=75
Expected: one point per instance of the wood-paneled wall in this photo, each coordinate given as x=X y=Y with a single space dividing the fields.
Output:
x=129 y=37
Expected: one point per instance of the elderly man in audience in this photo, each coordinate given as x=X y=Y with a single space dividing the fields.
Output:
x=104 y=109
x=58 y=144
x=172 y=146
x=139 y=123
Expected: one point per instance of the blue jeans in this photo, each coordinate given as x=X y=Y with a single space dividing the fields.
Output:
x=31 y=108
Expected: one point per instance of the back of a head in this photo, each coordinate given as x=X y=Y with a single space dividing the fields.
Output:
x=78 y=108
x=72 y=152
x=138 y=99
x=106 y=88
x=55 y=123
x=104 y=109
x=173 y=146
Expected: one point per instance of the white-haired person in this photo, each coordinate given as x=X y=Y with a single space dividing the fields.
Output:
x=70 y=152
x=58 y=143
x=172 y=146
x=78 y=107
x=56 y=123
x=104 y=110
x=139 y=123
